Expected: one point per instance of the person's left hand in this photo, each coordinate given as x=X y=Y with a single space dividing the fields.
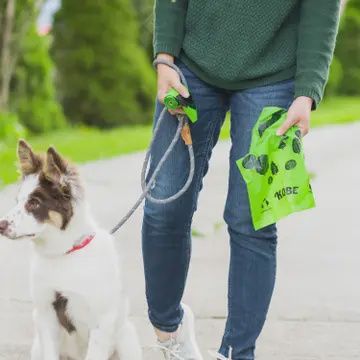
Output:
x=299 y=114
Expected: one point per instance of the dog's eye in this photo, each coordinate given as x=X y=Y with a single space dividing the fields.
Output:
x=33 y=204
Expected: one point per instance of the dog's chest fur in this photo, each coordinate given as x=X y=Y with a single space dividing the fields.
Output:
x=80 y=286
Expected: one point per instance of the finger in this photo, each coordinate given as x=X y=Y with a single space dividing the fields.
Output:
x=286 y=125
x=175 y=112
x=179 y=111
x=304 y=126
x=304 y=131
x=181 y=89
x=161 y=94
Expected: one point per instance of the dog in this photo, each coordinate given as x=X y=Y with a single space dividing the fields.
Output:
x=80 y=309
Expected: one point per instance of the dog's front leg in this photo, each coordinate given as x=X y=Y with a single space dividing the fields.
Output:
x=47 y=328
x=102 y=338
x=36 y=353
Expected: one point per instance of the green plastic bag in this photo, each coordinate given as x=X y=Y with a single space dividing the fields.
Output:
x=274 y=170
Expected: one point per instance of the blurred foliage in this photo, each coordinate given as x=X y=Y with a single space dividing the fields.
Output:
x=335 y=77
x=32 y=90
x=104 y=76
x=15 y=18
x=83 y=144
x=103 y=52
x=10 y=128
x=29 y=69
x=348 y=49
x=144 y=12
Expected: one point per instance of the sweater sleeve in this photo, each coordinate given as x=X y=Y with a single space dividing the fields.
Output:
x=316 y=42
x=169 y=27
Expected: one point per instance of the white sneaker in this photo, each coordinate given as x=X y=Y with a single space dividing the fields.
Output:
x=218 y=356
x=183 y=346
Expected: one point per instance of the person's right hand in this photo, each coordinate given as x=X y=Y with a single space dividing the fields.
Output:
x=168 y=78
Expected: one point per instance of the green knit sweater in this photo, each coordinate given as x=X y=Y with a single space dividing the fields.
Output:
x=239 y=44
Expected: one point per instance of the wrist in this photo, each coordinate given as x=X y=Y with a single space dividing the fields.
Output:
x=306 y=100
x=164 y=56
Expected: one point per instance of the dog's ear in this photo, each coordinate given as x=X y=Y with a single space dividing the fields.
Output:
x=29 y=162
x=55 y=167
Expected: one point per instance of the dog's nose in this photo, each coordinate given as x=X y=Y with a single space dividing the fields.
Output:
x=4 y=224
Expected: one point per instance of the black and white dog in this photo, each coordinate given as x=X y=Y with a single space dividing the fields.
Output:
x=80 y=308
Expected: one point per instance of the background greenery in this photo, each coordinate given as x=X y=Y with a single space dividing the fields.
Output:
x=88 y=86
x=33 y=93
x=104 y=77
x=83 y=144
x=348 y=50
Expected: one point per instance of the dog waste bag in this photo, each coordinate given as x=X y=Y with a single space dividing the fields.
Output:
x=274 y=170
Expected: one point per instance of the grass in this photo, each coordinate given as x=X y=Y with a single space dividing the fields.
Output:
x=80 y=145
x=86 y=144
x=332 y=111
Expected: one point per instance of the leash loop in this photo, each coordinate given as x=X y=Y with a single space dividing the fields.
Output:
x=183 y=131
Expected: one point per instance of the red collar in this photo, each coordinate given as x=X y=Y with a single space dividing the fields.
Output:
x=86 y=241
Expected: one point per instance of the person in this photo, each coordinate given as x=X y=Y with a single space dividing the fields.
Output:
x=239 y=56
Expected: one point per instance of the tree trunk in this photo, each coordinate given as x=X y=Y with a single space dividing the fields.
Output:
x=6 y=63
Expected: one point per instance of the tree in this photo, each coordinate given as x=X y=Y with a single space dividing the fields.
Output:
x=348 y=48
x=26 y=88
x=32 y=90
x=7 y=56
x=104 y=77
x=15 y=18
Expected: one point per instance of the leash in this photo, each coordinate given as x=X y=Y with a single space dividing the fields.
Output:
x=182 y=130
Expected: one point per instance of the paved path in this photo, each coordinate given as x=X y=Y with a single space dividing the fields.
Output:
x=315 y=313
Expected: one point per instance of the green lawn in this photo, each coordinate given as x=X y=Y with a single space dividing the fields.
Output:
x=84 y=144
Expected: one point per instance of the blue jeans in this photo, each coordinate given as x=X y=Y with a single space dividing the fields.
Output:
x=166 y=230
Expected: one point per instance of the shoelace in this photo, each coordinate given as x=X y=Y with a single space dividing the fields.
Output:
x=171 y=351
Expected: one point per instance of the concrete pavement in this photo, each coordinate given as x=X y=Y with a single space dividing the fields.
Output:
x=315 y=313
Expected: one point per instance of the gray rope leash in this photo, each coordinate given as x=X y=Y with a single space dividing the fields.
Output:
x=147 y=186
